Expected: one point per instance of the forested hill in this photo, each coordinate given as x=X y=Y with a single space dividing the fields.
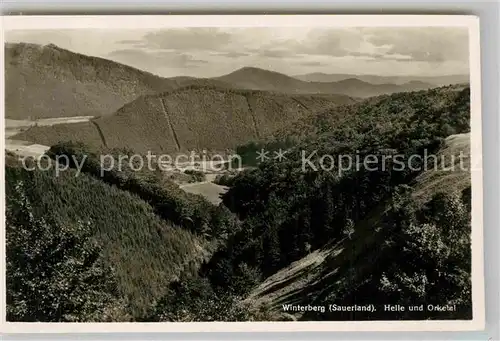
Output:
x=127 y=254
x=49 y=81
x=427 y=113
x=195 y=117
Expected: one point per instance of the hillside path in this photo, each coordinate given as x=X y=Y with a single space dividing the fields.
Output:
x=172 y=131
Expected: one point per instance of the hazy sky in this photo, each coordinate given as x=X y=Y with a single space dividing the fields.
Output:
x=208 y=52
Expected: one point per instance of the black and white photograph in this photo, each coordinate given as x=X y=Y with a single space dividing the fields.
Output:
x=287 y=169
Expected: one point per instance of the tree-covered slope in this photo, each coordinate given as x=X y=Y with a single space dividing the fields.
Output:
x=189 y=118
x=49 y=81
x=145 y=252
x=413 y=249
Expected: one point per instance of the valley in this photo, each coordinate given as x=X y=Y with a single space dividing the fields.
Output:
x=307 y=279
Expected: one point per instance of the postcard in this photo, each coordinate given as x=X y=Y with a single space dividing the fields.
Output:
x=242 y=173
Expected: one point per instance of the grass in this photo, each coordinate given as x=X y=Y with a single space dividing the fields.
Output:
x=208 y=190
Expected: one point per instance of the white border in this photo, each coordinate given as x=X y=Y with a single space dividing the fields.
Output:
x=146 y=22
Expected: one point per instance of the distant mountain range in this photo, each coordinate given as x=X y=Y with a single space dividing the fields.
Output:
x=48 y=81
x=375 y=79
x=259 y=79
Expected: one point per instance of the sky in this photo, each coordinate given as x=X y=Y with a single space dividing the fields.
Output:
x=210 y=52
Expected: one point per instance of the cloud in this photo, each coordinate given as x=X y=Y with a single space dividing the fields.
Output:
x=427 y=44
x=188 y=39
x=418 y=44
x=274 y=53
x=146 y=59
x=373 y=55
x=291 y=50
x=313 y=63
x=333 y=42
x=231 y=54
x=130 y=41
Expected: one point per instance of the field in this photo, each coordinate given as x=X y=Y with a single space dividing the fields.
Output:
x=207 y=189
x=26 y=148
